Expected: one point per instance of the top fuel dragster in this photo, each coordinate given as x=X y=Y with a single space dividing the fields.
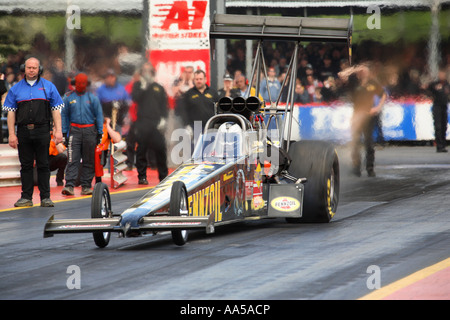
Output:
x=244 y=165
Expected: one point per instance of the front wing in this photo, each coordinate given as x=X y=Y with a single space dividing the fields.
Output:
x=151 y=223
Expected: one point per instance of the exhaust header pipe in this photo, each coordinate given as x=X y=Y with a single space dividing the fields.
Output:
x=239 y=105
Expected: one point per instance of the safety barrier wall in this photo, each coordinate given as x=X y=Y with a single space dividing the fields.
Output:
x=406 y=120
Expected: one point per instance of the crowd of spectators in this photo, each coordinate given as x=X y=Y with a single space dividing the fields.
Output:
x=402 y=69
x=94 y=56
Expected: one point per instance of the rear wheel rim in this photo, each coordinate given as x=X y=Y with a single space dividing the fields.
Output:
x=179 y=207
x=332 y=192
x=183 y=212
x=105 y=212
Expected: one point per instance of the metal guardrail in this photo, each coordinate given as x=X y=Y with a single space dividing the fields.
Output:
x=9 y=166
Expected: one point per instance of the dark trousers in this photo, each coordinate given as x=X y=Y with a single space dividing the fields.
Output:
x=131 y=145
x=378 y=129
x=362 y=126
x=82 y=143
x=58 y=163
x=440 y=118
x=150 y=139
x=34 y=145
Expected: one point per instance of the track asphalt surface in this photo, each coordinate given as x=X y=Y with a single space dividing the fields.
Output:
x=388 y=240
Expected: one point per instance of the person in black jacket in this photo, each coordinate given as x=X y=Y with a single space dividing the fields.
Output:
x=152 y=112
x=197 y=104
x=228 y=90
x=440 y=92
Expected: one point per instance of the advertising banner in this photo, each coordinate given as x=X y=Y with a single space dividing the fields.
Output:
x=178 y=38
x=400 y=121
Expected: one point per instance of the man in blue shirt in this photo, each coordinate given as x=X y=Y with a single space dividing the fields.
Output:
x=110 y=93
x=274 y=86
x=82 y=125
x=31 y=105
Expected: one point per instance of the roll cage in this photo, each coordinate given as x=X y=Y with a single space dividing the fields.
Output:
x=225 y=137
x=271 y=28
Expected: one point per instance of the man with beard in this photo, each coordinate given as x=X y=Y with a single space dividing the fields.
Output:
x=197 y=103
x=152 y=112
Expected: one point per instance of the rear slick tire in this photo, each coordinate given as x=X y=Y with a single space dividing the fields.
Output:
x=318 y=162
x=179 y=207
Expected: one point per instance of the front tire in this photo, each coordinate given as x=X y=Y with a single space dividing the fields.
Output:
x=179 y=207
x=318 y=162
x=101 y=208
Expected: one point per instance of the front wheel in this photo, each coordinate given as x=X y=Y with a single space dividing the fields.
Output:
x=179 y=207
x=318 y=162
x=101 y=208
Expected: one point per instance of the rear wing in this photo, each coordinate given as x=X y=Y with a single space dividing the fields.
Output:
x=234 y=26
x=299 y=29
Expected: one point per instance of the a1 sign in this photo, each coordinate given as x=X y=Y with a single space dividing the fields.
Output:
x=178 y=38
x=179 y=25
x=184 y=16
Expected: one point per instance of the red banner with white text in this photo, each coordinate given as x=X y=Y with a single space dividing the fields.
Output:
x=178 y=39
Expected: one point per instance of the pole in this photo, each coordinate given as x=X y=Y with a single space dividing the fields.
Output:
x=69 y=56
x=433 y=43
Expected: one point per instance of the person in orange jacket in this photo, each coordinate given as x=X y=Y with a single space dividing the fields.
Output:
x=57 y=160
x=109 y=134
x=102 y=150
